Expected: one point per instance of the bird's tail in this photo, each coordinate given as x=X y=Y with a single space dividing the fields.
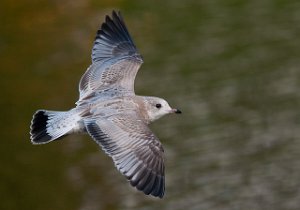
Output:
x=47 y=125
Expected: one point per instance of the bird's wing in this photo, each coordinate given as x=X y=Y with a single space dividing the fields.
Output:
x=115 y=60
x=135 y=150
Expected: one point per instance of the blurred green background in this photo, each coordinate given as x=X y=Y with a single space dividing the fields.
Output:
x=231 y=66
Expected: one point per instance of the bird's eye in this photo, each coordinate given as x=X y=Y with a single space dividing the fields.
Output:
x=158 y=106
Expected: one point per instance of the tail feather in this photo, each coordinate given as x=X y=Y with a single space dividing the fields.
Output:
x=38 y=128
x=47 y=126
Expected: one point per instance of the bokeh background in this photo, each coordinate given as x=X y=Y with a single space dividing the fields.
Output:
x=231 y=66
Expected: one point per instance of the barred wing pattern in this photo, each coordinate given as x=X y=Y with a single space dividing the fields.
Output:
x=135 y=150
x=115 y=60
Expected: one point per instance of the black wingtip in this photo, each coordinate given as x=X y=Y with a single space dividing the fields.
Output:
x=149 y=182
x=116 y=14
x=113 y=39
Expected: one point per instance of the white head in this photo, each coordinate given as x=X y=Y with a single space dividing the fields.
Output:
x=158 y=107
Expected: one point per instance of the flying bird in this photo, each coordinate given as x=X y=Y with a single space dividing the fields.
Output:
x=111 y=113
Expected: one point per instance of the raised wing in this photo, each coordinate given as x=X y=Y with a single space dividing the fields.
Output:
x=135 y=150
x=115 y=60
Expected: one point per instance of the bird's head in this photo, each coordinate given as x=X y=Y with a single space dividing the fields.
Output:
x=158 y=107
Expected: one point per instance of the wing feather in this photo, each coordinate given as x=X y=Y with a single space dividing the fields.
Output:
x=138 y=157
x=115 y=60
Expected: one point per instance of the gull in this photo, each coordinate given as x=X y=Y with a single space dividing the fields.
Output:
x=111 y=113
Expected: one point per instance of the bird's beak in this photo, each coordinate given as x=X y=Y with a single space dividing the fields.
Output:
x=176 y=111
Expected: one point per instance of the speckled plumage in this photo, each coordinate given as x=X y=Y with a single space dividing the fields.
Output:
x=110 y=112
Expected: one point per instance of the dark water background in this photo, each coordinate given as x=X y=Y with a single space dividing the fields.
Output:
x=231 y=66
